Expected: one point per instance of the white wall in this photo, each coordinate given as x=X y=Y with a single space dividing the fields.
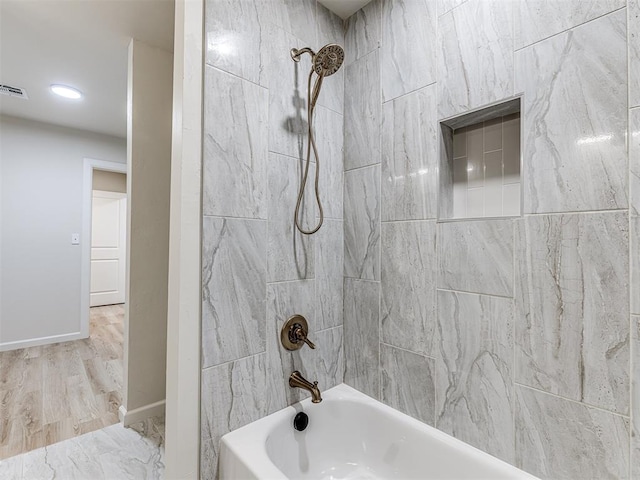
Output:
x=182 y=426
x=148 y=183
x=41 y=206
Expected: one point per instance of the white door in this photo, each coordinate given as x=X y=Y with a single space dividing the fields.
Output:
x=108 y=242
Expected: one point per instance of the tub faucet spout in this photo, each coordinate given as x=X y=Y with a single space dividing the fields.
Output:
x=296 y=380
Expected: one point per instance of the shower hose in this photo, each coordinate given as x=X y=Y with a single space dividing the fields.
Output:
x=311 y=144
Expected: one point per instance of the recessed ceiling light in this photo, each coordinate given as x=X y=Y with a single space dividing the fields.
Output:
x=66 y=92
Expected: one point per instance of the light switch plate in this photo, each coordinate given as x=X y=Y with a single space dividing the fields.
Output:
x=75 y=239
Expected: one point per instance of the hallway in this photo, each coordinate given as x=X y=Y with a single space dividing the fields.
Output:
x=55 y=392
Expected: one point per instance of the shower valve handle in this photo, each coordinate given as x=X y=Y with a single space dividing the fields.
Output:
x=293 y=334
x=301 y=335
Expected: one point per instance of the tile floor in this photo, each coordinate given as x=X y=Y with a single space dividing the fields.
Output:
x=112 y=453
x=55 y=392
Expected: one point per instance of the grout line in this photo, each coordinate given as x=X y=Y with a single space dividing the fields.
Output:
x=417 y=220
x=472 y=293
x=630 y=248
x=361 y=279
x=378 y=164
x=569 y=29
x=432 y=84
x=438 y=337
x=281 y=282
x=450 y=10
x=541 y=214
x=478 y=219
x=285 y=155
x=218 y=69
x=228 y=362
x=514 y=313
x=494 y=150
x=586 y=405
x=356 y=60
x=223 y=217
x=407 y=350
x=335 y=327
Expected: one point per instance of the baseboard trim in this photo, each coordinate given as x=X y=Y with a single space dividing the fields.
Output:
x=128 y=417
x=35 y=342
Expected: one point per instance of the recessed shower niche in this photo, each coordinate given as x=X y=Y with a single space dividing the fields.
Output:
x=480 y=163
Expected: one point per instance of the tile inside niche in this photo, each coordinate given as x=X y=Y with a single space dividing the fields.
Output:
x=485 y=163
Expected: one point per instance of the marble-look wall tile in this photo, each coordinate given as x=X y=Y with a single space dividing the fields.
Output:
x=634 y=250
x=363 y=32
x=407 y=382
x=361 y=339
x=475 y=371
x=559 y=439
x=406 y=23
x=324 y=364
x=572 y=283
x=289 y=252
x=408 y=284
x=362 y=223
x=233 y=395
x=445 y=6
x=284 y=300
x=446 y=173
x=539 y=19
x=287 y=82
x=328 y=131
x=575 y=118
x=362 y=113
x=235 y=146
x=235 y=33
x=634 y=52
x=297 y=17
x=233 y=289
x=410 y=156
x=331 y=30
x=635 y=397
x=329 y=250
x=475 y=60
x=476 y=256
x=209 y=457
x=634 y=159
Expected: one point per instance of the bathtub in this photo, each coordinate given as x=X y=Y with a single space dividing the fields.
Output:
x=352 y=436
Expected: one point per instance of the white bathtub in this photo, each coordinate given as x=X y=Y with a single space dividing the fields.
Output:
x=351 y=436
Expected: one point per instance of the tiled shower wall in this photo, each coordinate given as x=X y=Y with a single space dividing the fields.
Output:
x=257 y=271
x=514 y=335
x=486 y=168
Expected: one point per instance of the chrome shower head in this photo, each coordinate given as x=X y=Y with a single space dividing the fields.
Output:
x=328 y=60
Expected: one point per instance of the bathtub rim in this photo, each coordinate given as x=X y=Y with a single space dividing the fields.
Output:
x=239 y=445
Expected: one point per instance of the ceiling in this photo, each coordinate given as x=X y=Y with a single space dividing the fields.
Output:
x=83 y=44
x=344 y=8
x=80 y=43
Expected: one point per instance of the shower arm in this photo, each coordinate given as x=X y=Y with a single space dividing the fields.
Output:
x=296 y=54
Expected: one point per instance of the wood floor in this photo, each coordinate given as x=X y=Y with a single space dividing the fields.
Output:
x=55 y=392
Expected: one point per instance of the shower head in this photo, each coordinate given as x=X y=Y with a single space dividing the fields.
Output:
x=328 y=60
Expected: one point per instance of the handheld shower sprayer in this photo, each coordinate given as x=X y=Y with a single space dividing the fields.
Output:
x=326 y=62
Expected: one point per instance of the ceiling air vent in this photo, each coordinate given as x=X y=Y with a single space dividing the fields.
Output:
x=13 y=91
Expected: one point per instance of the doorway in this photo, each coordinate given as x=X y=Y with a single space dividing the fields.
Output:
x=103 y=277
x=108 y=247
